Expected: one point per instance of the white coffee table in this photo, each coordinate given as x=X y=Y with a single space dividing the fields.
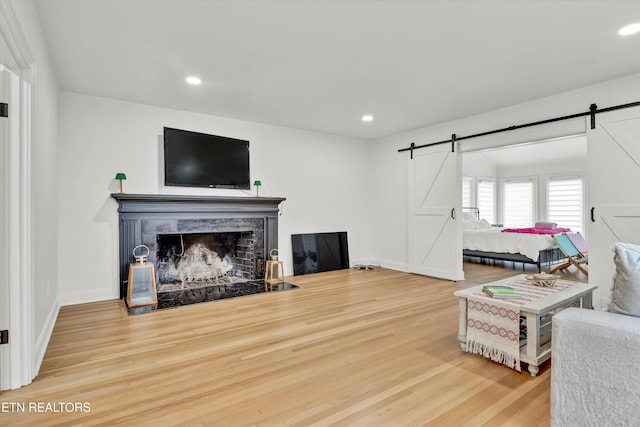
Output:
x=538 y=316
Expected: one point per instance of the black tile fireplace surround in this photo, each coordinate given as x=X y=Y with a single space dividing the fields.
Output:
x=142 y=217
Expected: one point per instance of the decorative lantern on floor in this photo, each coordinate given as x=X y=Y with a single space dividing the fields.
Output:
x=142 y=280
x=274 y=270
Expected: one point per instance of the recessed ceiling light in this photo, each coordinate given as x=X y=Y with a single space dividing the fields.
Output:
x=192 y=80
x=629 y=29
x=367 y=118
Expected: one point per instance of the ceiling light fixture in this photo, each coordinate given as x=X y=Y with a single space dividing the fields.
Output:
x=629 y=29
x=367 y=118
x=192 y=80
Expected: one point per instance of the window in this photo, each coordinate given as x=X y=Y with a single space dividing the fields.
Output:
x=565 y=202
x=467 y=201
x=518 y=203
x=487 y=199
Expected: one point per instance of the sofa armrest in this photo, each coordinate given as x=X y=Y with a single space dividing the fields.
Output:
x=595 y=377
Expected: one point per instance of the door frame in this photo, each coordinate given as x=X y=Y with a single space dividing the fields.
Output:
x=17 y=365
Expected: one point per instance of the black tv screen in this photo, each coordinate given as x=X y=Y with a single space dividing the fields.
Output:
x=193 y=159
x=318 y=252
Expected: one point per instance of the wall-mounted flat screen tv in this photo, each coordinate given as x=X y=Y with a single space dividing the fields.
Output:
x=193 y=159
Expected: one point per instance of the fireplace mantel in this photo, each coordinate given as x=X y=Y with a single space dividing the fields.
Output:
x=136 y=211
x=179 y=203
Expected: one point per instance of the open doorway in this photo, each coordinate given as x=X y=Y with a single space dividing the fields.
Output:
x=517 y=187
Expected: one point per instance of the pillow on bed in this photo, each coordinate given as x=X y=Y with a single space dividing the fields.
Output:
x=544 y=225
x=626 y=283
x=468 y=224
x=468 y=215
x=475 y=224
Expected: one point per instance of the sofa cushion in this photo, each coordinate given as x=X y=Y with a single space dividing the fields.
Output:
x=626 y=284
x=595 y=380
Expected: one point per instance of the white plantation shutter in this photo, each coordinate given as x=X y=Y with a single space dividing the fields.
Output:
x=565 y=202
x=466 y=191
x=518 y=203
x=487 y=199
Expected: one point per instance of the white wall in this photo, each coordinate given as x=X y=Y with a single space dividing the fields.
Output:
x=390 y=182
x=323 y=177
x=475 y=164
x=43 y=178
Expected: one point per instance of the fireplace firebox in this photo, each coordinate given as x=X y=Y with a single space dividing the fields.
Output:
x=196 y=240
x=199 y=259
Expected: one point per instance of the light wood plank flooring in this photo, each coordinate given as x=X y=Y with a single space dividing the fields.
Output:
x=356 y=348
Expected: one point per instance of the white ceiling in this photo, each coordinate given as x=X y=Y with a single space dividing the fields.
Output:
x=321 y=65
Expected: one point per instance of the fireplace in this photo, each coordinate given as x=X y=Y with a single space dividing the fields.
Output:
x=197 y=259
x=197 y=241
x=192 y=251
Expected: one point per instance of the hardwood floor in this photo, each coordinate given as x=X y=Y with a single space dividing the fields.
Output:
x=352 y=347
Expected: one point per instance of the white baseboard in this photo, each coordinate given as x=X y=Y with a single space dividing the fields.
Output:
x=42 y=341
x=394 y=265
x=81 y=297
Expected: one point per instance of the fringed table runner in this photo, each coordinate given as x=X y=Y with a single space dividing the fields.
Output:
x=493 y=324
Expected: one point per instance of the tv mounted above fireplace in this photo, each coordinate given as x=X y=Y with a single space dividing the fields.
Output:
x=193 y=159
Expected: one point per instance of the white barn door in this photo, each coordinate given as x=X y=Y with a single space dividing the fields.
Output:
x=614 y=192
x=435 y=240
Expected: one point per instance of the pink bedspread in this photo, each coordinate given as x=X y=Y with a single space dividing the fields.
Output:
x=532 y=230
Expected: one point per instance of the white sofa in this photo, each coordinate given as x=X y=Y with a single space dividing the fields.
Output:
x=595 y=355
x=595 y=369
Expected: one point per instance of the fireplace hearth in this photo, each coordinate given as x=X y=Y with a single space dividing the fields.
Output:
x=199 y=244
x=211 y=292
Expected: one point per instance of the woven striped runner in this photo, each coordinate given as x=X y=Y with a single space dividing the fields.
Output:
x=493 y=325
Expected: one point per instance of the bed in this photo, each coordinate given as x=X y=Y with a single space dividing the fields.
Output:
x=480 y=240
